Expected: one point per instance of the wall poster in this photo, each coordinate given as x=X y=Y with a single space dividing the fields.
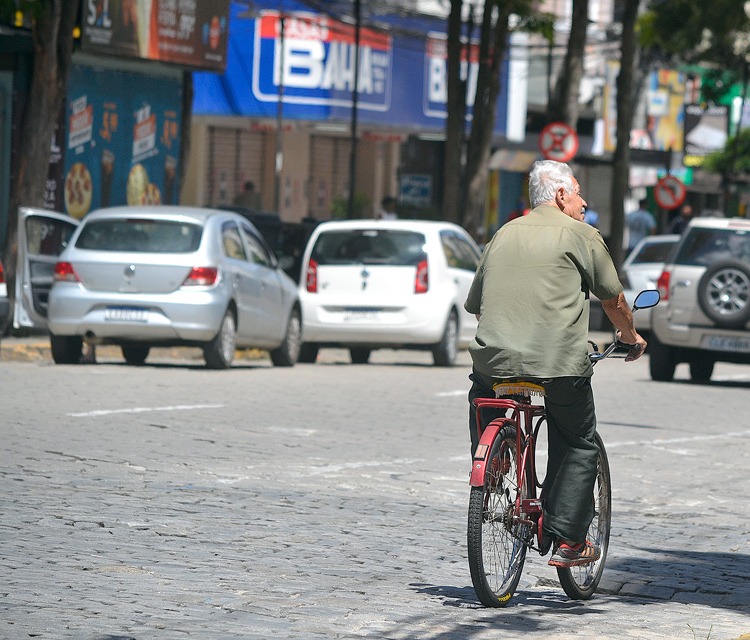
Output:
x=122 y=140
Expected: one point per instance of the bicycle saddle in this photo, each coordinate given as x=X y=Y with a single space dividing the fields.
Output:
x=517 y=388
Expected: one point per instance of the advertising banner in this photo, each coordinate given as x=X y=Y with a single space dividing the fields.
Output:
x=705 y=132
x=402 y=77
x=122 y=140
x=187 y=32
x=666 y=91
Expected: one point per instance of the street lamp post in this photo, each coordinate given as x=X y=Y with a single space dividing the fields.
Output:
x=355 y=99
x=279 y=160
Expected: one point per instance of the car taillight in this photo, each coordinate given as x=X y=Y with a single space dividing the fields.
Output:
x=421 y=281
x=64 y=272
x=662 y=285
x=2 y=274
x=201 y=277
x=311 y=279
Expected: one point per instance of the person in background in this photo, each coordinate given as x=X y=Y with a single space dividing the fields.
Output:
x=387 y=209
x=249 y=197
x=591 y=217
x=681 y=222
x=640 y=224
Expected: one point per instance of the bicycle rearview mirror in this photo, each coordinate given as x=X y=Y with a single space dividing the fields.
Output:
x=647 y=299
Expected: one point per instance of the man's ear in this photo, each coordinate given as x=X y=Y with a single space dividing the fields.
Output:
x=560 y=197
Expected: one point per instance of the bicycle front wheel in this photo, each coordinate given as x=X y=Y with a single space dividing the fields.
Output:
x=495 y=541
x=581 y=582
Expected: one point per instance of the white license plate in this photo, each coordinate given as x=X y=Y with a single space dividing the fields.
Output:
x=126 y=314
x=361 y=316
x=726 y=343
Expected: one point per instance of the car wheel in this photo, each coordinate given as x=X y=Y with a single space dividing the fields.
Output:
x=360 y=355
x=219 y=353
x=308 y=353
x=135 y=354
x=66 y=349
x=662 y=360
x=445 y=352
x=701 y=369
x=288 y=353
x=724 y=293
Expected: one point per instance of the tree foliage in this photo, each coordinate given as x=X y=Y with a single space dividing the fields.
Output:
x=734 y=157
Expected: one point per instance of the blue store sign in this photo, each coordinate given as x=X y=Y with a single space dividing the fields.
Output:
x=402 y=75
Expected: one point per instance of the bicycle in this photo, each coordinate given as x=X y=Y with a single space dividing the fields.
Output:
x=505 y=510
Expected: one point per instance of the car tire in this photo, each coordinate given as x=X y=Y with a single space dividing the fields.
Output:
x=288 y=353
x=308 y=353
x=662 y=360
x=135 y=354
x=219 y=353
x=724 y=293
x=360 y=355
x=445 y=352
x=701 y=369
x=66 y=349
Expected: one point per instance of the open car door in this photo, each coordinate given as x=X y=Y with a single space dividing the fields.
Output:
x=42 y=235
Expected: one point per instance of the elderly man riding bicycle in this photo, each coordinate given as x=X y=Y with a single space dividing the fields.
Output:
x=531 y=296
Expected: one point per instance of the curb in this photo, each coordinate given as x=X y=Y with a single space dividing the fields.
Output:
x=24 y=350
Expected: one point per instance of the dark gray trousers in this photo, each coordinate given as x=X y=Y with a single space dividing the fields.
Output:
x=567 y=495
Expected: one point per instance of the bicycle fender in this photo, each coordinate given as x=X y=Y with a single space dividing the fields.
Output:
x=482 y=454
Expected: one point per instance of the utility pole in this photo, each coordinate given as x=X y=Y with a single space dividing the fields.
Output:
x=355 y=100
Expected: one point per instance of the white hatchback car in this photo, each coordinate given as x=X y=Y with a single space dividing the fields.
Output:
x=399 y=284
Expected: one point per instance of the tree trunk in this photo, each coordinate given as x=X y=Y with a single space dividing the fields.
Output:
x=492 y=47
x=455 y=123
x=625 y=110
x=563 y=104
x=52 y=34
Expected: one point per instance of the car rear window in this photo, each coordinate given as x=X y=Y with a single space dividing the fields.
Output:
x=140 y=236
x=369 y=246
x=654 y=252
x=703 y=246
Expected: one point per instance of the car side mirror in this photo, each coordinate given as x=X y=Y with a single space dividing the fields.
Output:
x=646 y=299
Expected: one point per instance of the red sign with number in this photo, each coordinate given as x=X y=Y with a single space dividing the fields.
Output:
x=558 y=141
x=670 y=192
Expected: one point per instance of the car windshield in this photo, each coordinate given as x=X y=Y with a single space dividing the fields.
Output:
x=654 y=252
x=140 y=236
x=369 y=246
x=703 y=246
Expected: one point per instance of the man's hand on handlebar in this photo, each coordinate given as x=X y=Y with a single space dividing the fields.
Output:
x=635 y=349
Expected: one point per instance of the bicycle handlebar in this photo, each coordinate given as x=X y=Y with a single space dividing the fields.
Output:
x=608 y=352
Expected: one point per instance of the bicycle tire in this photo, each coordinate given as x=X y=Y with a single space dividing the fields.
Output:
x=580 y=583
x=495 y=547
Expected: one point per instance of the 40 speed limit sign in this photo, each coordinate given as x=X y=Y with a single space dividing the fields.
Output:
x=558 y=141
x=669 y=192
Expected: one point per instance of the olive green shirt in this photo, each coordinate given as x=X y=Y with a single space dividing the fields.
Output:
x=532 y=291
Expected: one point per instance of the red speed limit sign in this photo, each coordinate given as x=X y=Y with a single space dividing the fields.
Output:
x=558 y=141
x=669 y=192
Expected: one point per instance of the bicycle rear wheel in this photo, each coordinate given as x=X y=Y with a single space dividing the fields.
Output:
x=495 y=543
x=581 y=582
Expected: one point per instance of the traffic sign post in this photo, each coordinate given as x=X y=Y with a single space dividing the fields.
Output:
x=558 y=141
x=670 y=192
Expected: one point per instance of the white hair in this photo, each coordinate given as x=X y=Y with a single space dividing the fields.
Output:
x=546 y=177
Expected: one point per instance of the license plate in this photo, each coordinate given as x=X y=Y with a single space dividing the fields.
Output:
x=126 y=314
x=361 y=316
x=726 y=343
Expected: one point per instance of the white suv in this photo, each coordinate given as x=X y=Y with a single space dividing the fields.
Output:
x=704 y=314
x=369 y=284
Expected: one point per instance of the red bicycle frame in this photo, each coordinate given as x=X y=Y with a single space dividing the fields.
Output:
x=527 y=510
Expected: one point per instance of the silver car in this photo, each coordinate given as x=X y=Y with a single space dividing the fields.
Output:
x=140 y=277
x=642 y=269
